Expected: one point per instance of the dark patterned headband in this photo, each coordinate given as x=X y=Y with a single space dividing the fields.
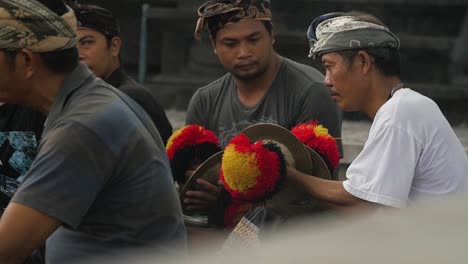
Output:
x=97 y=18
x=234 y=11
x=29 y=24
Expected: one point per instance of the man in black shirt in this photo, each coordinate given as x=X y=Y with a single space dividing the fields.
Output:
x=20 y=132
x=99 y=47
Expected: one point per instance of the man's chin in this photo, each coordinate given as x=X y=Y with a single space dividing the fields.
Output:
x=247 y=76
x=347 y=108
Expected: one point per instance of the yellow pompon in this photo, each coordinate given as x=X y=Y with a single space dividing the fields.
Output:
x=320 y=131
x=174 y=135
x=240 y=170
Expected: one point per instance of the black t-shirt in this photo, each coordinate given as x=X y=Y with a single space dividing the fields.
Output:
x=145 y=99
x=20 y=132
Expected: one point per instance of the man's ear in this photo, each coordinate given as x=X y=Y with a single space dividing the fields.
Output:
x=116 y=44
x=364 y=61
x=27 y=62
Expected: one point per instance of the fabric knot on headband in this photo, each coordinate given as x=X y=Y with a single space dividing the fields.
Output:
x=335 y=32
x=231 y=11
x=29 y=24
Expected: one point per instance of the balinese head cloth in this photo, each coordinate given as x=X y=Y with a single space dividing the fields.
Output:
x=231 y=11
x=29 y=24
x=97 y=18
x=336 y=31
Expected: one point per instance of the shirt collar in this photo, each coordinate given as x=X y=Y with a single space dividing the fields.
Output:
x=115 y=78
x=72 y=82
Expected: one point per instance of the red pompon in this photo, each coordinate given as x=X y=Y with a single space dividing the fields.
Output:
x=323 y=144
x=241 y=143
x=191 y=135
x=327 y=146
x=268 y=163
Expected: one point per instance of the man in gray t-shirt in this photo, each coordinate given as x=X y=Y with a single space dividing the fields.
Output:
x=260 y=86
x=100 y=182
x=295 y=96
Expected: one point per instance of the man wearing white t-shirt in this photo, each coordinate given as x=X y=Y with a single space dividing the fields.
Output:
x=412 y=151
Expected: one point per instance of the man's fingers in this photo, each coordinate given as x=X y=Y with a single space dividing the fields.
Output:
x=201 y=195
x=196 y=202
x=212 y=189
x=195 y=207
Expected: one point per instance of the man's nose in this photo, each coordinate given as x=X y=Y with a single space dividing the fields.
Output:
x=80 y=53
x=245 y=50
x=327 y=80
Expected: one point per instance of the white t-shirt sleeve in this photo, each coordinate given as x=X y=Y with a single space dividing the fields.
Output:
x=383 y=172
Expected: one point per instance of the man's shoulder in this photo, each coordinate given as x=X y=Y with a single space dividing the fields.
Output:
x=411 y=102
x=104 y=114
x=130 y=84
x=300 y=79
x=99 y=101
x=301 y=72
x=216 y=86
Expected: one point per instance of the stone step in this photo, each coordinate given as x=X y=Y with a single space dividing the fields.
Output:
x=412 y=18
x=424 y=3
x=408 y=41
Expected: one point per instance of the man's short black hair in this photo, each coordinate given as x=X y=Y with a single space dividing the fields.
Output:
x=10 y=58
x=386 y=60
x=61 y=61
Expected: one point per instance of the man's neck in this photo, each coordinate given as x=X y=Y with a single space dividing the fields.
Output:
x=44 y=92
x=251 y=91
x=380 y=92
x=115 y=66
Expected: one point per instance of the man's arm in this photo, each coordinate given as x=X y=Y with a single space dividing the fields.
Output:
x=22 y=230
x=332 y=193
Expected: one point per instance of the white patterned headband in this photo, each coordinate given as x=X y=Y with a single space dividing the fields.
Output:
x=334 y=33
x=29 y=24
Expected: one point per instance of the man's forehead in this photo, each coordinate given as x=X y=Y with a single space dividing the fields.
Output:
x=86 y=31
x=330 y=57
x=241 y=29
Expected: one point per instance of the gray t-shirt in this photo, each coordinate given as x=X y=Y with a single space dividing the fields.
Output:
x=297 y=95
x=101 y=169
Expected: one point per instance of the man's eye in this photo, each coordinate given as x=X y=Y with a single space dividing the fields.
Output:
x=87 y=43
x=229 y=44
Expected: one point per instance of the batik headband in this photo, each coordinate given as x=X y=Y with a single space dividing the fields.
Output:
x=236 y=11
x=29 y=24
x=341 y=32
